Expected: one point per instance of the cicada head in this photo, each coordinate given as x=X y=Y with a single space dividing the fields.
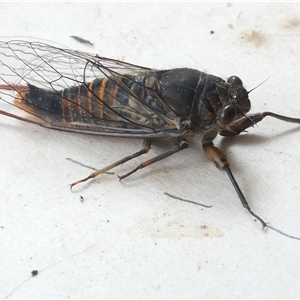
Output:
x=237 y=101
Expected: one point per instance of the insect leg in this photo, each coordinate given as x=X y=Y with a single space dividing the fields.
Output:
x=182 y=145
x=215 y=155
x=145 y=149
x=251 y=119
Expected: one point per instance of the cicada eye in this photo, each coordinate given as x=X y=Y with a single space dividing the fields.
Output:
x=235 y=80
x=227 y=114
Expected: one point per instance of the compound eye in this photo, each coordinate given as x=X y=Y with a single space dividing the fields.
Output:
x=235 y=80
x=227 y=114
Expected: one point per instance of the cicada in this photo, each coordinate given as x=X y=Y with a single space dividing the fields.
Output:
x=75 y=91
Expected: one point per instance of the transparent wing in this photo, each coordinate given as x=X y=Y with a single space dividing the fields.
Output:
x=37 y=77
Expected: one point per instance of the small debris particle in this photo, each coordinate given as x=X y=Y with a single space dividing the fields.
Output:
x=81 y=40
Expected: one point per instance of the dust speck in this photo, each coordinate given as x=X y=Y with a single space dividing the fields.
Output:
x=291 y=24
x=175 y=229
x=256 y=38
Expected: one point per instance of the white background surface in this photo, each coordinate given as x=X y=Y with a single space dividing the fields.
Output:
x=128 y=239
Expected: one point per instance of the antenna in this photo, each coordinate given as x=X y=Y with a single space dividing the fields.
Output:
x=258 y=85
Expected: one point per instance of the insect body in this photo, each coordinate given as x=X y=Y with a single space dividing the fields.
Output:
x=79 y=92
